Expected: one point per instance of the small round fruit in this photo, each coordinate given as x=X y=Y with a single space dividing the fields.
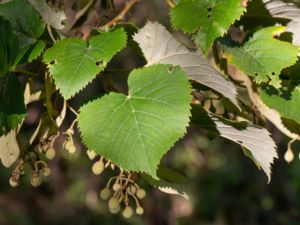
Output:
x=72 y=148
x=13 y=182
x=47 y=172
x=116 y=187
x=133 y=189
x=91 y=154
x=141 y=193
x=50 y=153
x=289 y=156
x=114 y=210
x=128 y=212
x=67 y=144
x=113 y=203
x=139 y=210
x=105 y=194
x=35 y=179
x=98 y=167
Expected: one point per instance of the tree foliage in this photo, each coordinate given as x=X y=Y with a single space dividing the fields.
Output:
x=198 y=81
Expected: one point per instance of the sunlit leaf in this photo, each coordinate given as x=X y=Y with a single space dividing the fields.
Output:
x=207 y=19
x=73 y=63
x=136 y=130
x=287 y=104
x=263 y=56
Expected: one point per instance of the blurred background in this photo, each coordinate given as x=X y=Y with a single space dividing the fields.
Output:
x=225 y=187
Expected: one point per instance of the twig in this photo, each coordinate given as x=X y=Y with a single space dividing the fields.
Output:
x=80 y=13
x=170 y=3
x=72 y=110
x=50 y=33
x=84 y=10
x=128 y=6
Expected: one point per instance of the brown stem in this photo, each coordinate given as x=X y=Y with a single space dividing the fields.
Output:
x=128 y=5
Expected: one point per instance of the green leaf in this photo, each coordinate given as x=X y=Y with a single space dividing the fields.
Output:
x=292 y=126
x=208 y=19
x=263 y=57
x=9 y=149
x=169 y=51
x=21 y=56
x=135 y=131
x=286 y=103
x=170 y=175
x=12 y=108
x=36 y=50
x=256 y=140
x=29 y=53
x=73 y=63
x=26 y=22
x=54 y=18
x=8 y=46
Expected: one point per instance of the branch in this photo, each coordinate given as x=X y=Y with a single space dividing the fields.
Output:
x=128 y=6
x=170 y=3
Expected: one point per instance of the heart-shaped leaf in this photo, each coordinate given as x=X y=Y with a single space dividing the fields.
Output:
x=76 y=63
x=135 y=131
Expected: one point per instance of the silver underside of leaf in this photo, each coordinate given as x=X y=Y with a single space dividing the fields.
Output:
x=281 y=9
x=51 y=16
x=257 y=140
x=160 y=47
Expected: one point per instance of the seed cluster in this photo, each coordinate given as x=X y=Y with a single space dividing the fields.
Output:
x=33 y=158
x=39 y=169
x=120 y=191
x=123 y=191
